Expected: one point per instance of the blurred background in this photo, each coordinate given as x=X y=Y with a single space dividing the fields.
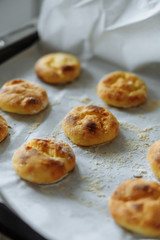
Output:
x=14 y=14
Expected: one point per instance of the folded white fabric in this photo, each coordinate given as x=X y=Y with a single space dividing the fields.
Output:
x=126 y=33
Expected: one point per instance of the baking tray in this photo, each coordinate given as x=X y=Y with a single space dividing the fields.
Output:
x=77 y=207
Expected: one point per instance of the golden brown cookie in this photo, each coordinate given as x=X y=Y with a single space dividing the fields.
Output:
x=43 y=160
x=56 y=68
x=3 y=128
x=135 y=205
x=122 y=89
x=23 y=97
x=89 y=125
x=154 y=158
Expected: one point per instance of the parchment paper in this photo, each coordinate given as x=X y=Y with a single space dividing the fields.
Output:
x=127 y=35
x=77 y=207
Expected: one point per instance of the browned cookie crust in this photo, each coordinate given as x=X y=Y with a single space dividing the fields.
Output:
x=154 y=158
x=43 y=160
x=122 y=89
x=57 y=68
x=89 y=125
x=3 y=128
x=23 y=97
x=135 y=205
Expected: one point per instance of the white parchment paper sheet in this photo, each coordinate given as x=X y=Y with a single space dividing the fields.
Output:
x=123 y=32
x=77 y=207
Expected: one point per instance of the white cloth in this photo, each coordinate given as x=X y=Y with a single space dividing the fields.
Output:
x=126 y=33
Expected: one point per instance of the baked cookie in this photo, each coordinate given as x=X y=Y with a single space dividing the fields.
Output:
x=3 y=128
x=135 y=205
x=57 y=68
x=43 y=160
x=122 y=89
x=154 y=158
x=89 y=125
x=23 y=97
